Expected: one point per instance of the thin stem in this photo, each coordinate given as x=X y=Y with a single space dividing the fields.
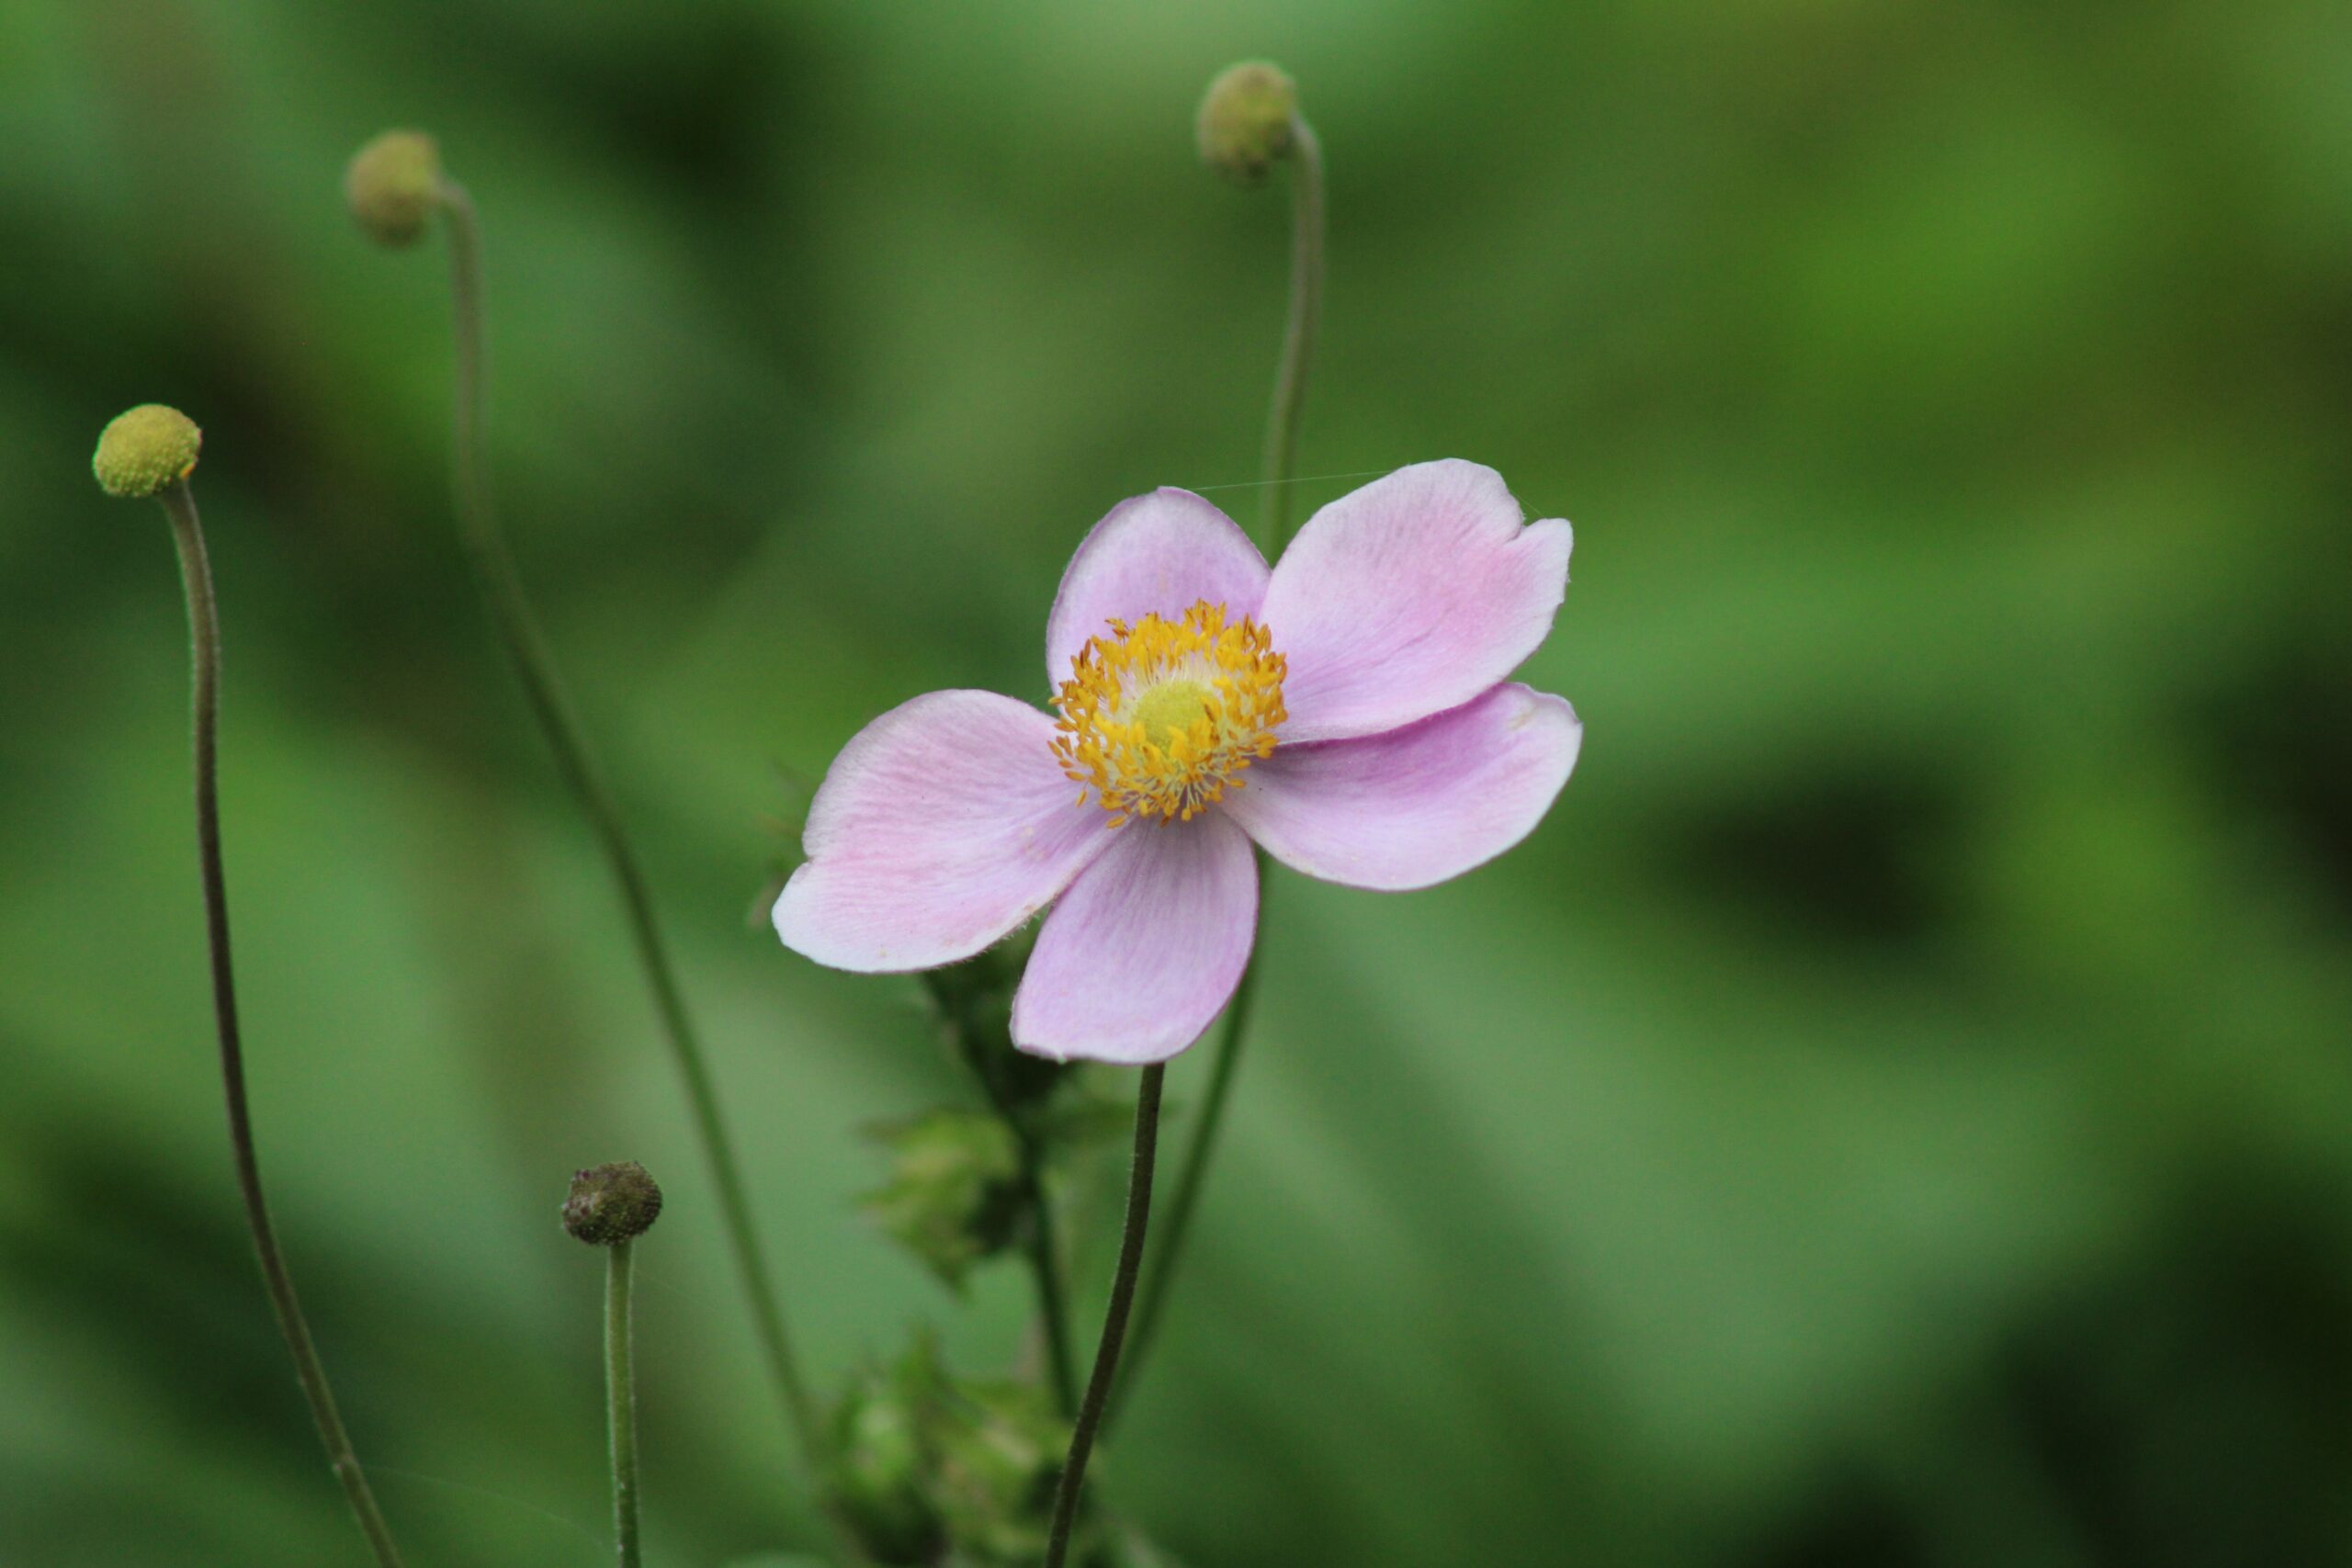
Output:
x=204 y=635
x=1299 y=330
x=960 y=1014
x=1187 y=1198
x=1114 y=1318
x=518 y=629
x=1281 y=459
x=620 y=1399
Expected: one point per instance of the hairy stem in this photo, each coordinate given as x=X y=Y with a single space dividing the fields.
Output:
x=620 y=1399
x=501 y=591
x=204 y=635
x=1281 y=457
x=1114 y=1318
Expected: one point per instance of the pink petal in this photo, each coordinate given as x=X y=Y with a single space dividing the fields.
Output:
x=1411 y=596
x=941 y=827
x=1135 y=959
x=1418 y=805
x=1157 y=554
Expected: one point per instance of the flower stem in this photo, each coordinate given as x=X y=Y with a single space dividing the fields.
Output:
x=1281 y=457
x=1299 y=330
x=518 y=629
x=620 y=1399
x=1114 y=1318
x=1197 y=1148
x=959 y=1014
x=204 y=635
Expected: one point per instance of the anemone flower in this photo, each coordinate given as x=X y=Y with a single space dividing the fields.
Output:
x=1347 y=709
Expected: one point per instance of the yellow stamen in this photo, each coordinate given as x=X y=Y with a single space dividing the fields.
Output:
x=1160 y=718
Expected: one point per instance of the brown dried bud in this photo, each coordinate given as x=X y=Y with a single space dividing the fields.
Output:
x=612 y=1203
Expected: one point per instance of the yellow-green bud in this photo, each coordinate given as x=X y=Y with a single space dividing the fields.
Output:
x=393 y=184
x=612 y=1203
x=1245 y=120
x=143 y=451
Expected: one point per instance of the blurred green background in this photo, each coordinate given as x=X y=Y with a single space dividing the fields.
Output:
x=1898 y=1109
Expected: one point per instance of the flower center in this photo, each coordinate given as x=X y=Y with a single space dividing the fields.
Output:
x=1170 y=710
x=1160 y=718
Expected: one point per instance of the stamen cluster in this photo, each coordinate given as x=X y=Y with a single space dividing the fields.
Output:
x=1161 y=717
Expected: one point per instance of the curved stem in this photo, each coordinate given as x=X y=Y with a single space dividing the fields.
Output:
x=1281 y=457
x=1114 y=1318
x=204 y=635
x=501 y=591
x=1299 y=330
x=1187 y=1198
x=620 y=1399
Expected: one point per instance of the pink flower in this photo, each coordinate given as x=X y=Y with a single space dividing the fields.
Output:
x=1347 y=709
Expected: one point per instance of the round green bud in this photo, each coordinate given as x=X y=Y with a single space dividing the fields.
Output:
x=612 y=1203
x=1245 y=120
x=393 y=184
x=146 y=450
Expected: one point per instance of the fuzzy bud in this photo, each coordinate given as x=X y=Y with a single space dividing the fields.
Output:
x=1245 y=120
x=612 y=1203
x=145 y=450
x=393 y=184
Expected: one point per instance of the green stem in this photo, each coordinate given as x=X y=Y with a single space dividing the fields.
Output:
x=1187 y=1198
x=959 y=1013
x=620 y=1399
x=1299 y=330
x=518 y=629
x=1114 y=1318
x=1281 y=458
x=204 y=635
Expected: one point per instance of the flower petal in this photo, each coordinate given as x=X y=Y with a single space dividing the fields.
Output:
x=1409 y=597
x=1157 y=554
x=1418 y=805
x=1141 y=952
x=941 y=827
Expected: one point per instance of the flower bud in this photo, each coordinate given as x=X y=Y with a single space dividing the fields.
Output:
x=612 y=1203
x=146 y=449
x=954 y=1194
x=998 y=1450
x=879 y=1471
x=928 y=1467
x=1245 y=120
x=391 y=186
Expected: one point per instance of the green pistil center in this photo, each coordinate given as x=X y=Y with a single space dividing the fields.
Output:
x=1171 y=708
